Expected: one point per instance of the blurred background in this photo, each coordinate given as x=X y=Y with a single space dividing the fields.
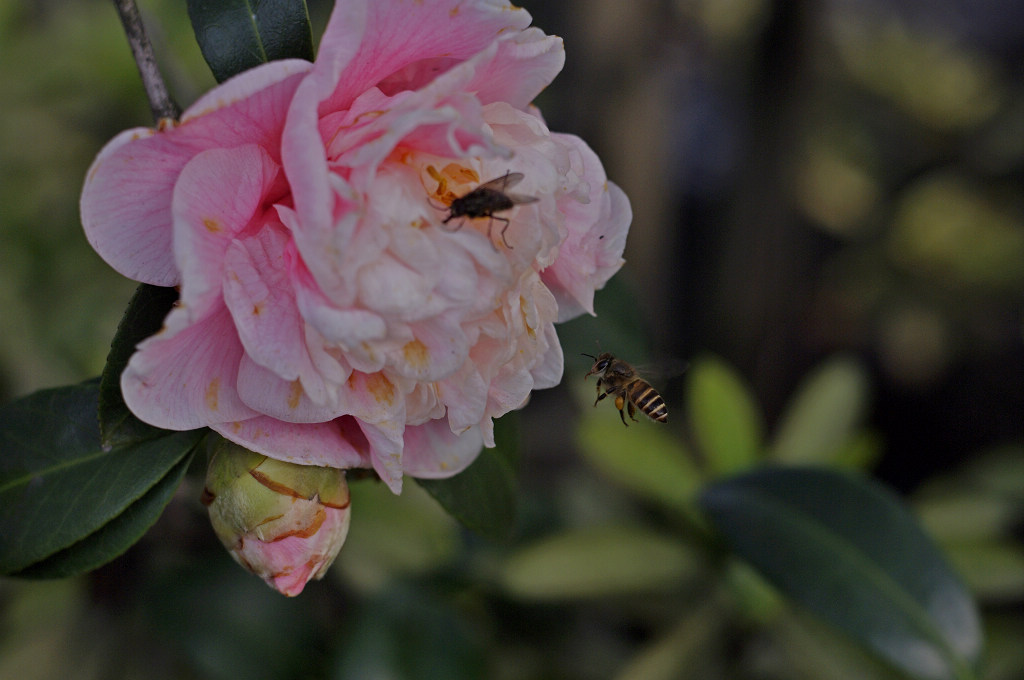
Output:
x=828 y=212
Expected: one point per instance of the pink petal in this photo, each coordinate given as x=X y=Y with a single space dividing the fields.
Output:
x=548 y=371
x=184 y=377
x=337 y=443
x=126 y=200
x=465 y=395
x=386 y=444
x=218 y=194
x=268 y=393
x=438 y=348
x=520 y=69
x=397 y=34
x=257 y=290
x=432 y=451
x=596 y=238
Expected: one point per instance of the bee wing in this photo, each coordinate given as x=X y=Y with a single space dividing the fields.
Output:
x=519 y=198
x=506 y=181
x=663 y=368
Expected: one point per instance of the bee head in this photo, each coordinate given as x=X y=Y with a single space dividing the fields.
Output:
x=600 y=363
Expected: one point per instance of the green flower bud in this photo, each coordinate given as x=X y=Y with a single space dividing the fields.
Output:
x=281 y=521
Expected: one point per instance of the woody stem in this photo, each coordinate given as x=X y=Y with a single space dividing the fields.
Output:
x=160 y=102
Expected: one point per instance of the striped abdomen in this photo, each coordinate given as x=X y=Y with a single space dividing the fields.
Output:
x=647 y=399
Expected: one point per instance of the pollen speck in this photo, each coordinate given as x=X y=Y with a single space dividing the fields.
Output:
x=212 y=394
x=294 y=394
x=257 y=309
x=212 y=225
x=416 y=354
x=381 y=388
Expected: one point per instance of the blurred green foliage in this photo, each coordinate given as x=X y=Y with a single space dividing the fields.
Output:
x=871 y=208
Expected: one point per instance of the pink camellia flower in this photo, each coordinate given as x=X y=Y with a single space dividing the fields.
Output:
x=330 y=312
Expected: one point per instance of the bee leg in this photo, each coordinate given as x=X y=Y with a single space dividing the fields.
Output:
x=619 y=404
x=632 y=412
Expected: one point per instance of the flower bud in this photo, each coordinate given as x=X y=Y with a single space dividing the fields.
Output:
x=281 y=521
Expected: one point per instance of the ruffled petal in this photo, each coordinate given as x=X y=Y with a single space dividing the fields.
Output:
x=184 y=377
x=432 y=451
x=126 y=199
x=219 y=193
x=397 y=35
x=337 y=443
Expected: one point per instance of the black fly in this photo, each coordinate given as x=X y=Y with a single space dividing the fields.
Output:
x=489 y=198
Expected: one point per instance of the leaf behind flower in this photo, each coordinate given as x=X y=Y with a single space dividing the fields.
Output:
x=236 y=35
x=59 y=484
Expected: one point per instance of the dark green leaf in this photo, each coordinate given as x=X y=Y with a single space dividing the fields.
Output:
x=115 y=536
x=726 y=419
x=403 y=633
x=849 y=551
x=143 y=317
x=483 y=496
x=58 y=484
x=236 y=35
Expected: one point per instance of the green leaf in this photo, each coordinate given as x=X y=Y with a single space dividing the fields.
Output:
x=143 y=317
x=116 y=536
x=644 y=458
x=58 y=484
x=824 y=415
x=236 y=35
x=726 y=418
x=849 y=551
x=483 y=496
x=598 y=562
x=404 y=632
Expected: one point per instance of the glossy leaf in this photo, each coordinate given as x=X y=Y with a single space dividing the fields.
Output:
x=598 y=562
x=143 y=317
x=726 y=418
x=236 y=35
x=58 y=484
x=483 y=496
x=820 y=420
x=116 y=536
x=644 y=458
x=849 y=551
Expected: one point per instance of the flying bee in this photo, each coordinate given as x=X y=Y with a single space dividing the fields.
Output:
x=630 y=390
x=487 y=199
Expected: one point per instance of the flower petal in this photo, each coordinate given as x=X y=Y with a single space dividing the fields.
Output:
x=597 y=218
x=218 y=194
x=337 y=443
x=432 y=451
x=184 y=377
x=126 y=200
x=396 y=35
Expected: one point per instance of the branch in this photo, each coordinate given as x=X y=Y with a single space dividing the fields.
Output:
x=160 y=102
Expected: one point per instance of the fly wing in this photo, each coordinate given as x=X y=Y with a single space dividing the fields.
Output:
x=519 y=198
x=506 y=181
